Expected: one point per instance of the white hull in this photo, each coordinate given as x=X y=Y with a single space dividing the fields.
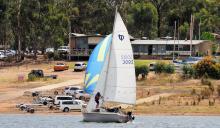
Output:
x=105 y=117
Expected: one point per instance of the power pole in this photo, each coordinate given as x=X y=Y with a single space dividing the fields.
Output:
x=19 y=30
x=191 y=33
x=178 y=37
x=174 y=41
x=70 y=33
x=199 y=27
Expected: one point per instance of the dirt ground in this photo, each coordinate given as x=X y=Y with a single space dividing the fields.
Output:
x=150 y=91
x=10 y=84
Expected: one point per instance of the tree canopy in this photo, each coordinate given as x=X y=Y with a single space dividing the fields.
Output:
x=39 y=24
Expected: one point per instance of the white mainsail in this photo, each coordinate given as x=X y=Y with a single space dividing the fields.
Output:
x=117 y=81
x=120 y=85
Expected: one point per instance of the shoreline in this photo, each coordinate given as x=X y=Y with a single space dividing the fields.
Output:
x=135 y=114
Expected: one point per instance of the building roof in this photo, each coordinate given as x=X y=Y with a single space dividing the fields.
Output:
x=216 y=35
x=183 y=42
x=84 y=35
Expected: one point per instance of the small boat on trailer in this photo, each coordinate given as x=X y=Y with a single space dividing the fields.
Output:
x=111 y=73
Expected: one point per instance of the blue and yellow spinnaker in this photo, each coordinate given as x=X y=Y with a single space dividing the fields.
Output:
x=96 y=63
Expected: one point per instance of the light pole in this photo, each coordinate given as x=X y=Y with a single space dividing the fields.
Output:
x=174 y=40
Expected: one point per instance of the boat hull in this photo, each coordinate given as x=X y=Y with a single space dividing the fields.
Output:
x=105 y=117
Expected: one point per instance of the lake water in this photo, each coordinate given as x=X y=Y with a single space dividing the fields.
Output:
x=69 y=121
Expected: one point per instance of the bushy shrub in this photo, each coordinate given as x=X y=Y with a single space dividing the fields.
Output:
x=161 y=67
x=188 y=71
x=215 y=72
x=205 y=66
x=169 y=68
x=31 y=77
x=141 y=70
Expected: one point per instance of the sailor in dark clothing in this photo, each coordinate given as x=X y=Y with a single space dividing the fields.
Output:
x=130 y=117
x=97 y=97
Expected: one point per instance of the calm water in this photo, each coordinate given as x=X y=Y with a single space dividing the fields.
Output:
x=68 y=121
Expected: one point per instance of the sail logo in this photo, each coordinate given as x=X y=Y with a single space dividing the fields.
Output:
x=121 y=37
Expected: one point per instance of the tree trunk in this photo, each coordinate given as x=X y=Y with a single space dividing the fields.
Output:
x=158 y=22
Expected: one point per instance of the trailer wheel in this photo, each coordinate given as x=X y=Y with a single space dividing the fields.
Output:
x=31 y=110
x=44 y=103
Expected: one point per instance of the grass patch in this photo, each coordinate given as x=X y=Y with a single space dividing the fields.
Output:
x=147 y=62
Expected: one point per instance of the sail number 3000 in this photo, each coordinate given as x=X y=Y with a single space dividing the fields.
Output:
x=127 y=59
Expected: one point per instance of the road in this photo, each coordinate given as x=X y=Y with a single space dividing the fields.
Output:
x=148 y=99
x=14 y=94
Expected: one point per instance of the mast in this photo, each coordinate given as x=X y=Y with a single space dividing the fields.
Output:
x=116 y=11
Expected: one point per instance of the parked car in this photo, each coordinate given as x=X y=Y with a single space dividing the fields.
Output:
x=71 y=90
x=25 y=107
x=63 y=49
x=66 y=106
x=79 y=66
x=60 y=98
x=46 y=100
x=152 y=66
x=10 y=52
x=36 y=73
x=2 y=56
x=60 y=67
x=192 y=60
x=81 y=95
x=51 y=50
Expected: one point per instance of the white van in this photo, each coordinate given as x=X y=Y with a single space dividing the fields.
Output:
x=66 y=106
x=60 y=98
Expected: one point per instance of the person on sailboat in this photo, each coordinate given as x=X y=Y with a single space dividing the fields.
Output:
x=97 y=97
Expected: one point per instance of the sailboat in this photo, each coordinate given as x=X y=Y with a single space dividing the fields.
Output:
x=111 y=73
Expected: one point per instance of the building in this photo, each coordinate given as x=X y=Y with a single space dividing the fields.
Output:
x=166 y=47
x=217 y=38
x=81 y=45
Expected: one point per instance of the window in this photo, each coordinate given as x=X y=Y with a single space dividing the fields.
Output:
x=73 y=88
x=77 y=64
x=64 y=98
x=75 y=102
x=169 y=47
x=68 y=102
